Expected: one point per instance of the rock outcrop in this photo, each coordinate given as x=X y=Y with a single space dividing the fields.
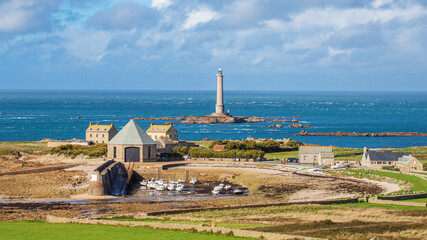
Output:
x=298 y=125
x=354 y=134
x=208 y=119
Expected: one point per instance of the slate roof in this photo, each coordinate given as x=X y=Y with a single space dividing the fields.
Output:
x=327 y=154
x=218 y=147
x=314 y=150
x=131 y=134
x=385 y=155
x=405 y=160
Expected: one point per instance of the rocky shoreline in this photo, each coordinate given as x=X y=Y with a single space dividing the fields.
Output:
x=354 y=134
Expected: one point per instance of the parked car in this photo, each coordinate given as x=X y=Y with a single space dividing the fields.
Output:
x=294 y=160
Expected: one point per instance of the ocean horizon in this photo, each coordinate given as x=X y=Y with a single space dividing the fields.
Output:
x=32 y=115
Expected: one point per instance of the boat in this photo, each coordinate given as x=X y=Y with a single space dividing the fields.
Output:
x=194 y=181
x=215 y=192
x=238 y=191
x=160 y=188
x=227 y=187
x=171 y=187
x=179 y=188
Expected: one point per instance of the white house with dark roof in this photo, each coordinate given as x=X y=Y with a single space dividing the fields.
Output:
x=380 y=158
x=132 y=144
x=318 y=155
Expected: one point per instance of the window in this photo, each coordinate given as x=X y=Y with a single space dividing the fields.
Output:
x=102 y=135
x=91 y=135
x=149 y=152
x=96 y=135
x=305 y=158
x=315 y=158
x=114 y=152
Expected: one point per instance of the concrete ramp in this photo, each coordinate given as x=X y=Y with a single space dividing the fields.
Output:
x=111 y=178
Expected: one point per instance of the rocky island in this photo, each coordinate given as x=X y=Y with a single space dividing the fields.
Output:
x=354 y=134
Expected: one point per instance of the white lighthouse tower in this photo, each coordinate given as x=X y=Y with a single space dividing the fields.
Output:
x=219 y=107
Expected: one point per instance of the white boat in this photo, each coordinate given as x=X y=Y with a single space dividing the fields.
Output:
x=227 y=187
x=238 y=191
x=193 y=181
x=179 y=189
x=215 y=192
x=160 y=188
x=143 y=182
x=218 y=188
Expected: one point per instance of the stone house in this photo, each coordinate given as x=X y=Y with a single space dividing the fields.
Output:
x=97 y=133
x=132 y=144
x=318 y=155
x=380 y=158
x=158 y=131
x=409 y=164
x=165 y=145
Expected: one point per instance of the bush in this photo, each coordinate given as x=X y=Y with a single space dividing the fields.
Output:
x=266 y=146
x=97 y=150
x=227 y=153
x=390 y=168
x=180 y=150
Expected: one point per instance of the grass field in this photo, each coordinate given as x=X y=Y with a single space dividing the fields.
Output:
x=219 y=224
x=417 y=183
x=281 y=155
x=421 y=200
x=26 y=147
x=384 y=206
x=348 y=154
x=54 y=231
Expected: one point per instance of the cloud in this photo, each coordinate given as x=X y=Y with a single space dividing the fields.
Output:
x=125 y=16
x=22 y=16
x=197 y=17
x=381 y=3
x=160 y=4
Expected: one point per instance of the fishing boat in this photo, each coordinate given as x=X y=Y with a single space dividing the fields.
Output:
x=238 y=191
x=194 y=181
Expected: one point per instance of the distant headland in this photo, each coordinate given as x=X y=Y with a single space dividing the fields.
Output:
x=354 y=134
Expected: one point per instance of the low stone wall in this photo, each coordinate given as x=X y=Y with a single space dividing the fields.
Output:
x=177 y=211
x=414 y=204
x=403 y=197
x=41 y=169
x=175 y=226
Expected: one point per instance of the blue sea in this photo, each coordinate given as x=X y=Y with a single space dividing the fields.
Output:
x=32 y=115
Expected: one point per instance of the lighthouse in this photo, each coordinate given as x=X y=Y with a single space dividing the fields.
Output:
x=219 y=107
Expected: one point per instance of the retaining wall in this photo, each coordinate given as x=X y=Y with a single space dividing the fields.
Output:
x=403 y=197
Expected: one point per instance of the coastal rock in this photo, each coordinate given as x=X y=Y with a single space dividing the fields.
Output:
x=279 y=126
x=209 y=119
x=298 y=125
x=354 y=134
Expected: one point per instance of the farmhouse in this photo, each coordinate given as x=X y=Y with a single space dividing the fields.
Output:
x=409 y=164
x=97 y=133
x=319 y=155
x=380 y=158
x=132 y=144
x=158 y=131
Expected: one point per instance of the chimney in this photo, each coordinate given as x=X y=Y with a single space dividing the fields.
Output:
x=152 y=124
x=90 y=123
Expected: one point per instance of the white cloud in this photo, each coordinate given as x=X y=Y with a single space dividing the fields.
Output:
x=381 y=3
x=24 y=15
x=87 y=45
x=197 y=17
x=160 y=4
x=333 y=51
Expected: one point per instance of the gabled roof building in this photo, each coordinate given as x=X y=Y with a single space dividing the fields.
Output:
x=380 y=158
x=158 y=131
x=132 y=144
x=318 y=155
x=97 y=133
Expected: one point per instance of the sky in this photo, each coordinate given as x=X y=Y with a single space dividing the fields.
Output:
x=349 y=45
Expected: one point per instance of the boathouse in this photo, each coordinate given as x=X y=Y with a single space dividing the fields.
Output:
x=132 y=144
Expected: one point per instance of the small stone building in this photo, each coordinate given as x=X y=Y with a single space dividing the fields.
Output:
x=218 y=147
x=132 y=144
x=165 y=145
x=409 y=164
x=97 y=133
x=158 y=131
x=377 y=159
x=318 y=155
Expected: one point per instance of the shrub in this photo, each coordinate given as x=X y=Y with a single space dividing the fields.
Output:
x=390 y=168
x=265 y=146
x=97 y=150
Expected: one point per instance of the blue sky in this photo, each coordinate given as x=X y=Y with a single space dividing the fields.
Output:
x=351 y=45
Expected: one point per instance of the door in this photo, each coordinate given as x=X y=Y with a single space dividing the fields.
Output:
x=132 y=154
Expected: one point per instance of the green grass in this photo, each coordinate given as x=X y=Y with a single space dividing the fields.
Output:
x=375 y=205
x=281 y=155
x=418 y=184
x=26 y=147
x=349 y=154
x=204 y=144
x=54 y=231
x=423 y=173
x=421 y=200
x=219 y=224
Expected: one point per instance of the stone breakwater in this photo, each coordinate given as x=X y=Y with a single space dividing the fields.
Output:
x=354 y=134
x=208 y=119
